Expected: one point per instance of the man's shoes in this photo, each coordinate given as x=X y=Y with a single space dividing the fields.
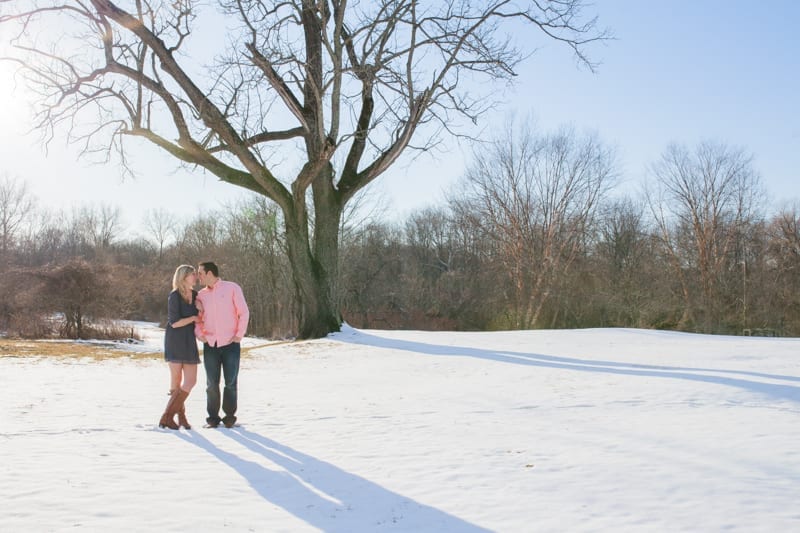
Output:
x=228 y=422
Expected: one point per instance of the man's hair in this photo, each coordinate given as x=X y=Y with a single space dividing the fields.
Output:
x=210 y=266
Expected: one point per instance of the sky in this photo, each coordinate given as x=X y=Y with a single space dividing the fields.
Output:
x=680 y=71
x=409 y=431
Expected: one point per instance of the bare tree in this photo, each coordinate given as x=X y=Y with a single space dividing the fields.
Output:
x=42 y=239
x=536 y=196
x=622 y=252
x=346 y=86
x=16 y=205
x=100 y=225
x=786 y=236
x=79 y=291
x=162 y=226
x=201 y=237
x=445 y=274
x=701 y=200
x=784 y=260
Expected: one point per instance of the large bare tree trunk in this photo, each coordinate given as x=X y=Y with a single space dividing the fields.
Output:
x=318 y=314
x=315 y=272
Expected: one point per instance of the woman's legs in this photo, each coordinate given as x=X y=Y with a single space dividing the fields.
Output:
x=189 y=377
x=178 y=393
x=180 y=372
x=175 y=371
x=167 y=418
x=189 y=381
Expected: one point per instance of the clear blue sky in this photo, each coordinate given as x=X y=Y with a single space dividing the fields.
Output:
x=678 y=71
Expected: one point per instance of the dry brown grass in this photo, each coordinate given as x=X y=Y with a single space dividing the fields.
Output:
x=44 y=348
x=94 y=350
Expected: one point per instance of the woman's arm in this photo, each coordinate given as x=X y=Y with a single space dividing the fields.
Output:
x=174 y=312
x=198 y=324
x=184 y=321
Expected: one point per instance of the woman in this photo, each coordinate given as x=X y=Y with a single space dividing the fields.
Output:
x=180 y=346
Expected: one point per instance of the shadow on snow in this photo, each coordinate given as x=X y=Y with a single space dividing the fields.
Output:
x=785 y=392
x=323 y=495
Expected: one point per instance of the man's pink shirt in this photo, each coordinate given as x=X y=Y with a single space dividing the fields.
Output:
x=225 y=313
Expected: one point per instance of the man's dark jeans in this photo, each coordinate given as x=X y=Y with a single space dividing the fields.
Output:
x=224 y=358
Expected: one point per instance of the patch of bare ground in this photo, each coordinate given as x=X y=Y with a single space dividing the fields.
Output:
x=60 y=348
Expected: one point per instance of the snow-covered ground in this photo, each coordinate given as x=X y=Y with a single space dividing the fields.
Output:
x=533 y=431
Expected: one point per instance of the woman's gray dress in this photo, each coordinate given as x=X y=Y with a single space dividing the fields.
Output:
x=180 y=345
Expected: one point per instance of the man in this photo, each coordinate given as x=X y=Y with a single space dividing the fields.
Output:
x=223 y=322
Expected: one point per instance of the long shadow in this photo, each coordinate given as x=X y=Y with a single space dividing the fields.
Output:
x=785 y=392
x=323 y=495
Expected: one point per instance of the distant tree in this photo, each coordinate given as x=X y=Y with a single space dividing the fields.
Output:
x=623 y=260
x=535 y=195
x=428 y=236
x=347 y=87
x=783 y=259
x=100 y=224
x=16 y=205
x=77 y=290
x=371 y=278
x=162 y=226
x=42 y=240
x=443 y=273
x=478 y=283
x=701 y=199
x=201 y=237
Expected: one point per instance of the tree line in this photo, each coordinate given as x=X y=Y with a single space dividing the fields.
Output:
x=537 y=234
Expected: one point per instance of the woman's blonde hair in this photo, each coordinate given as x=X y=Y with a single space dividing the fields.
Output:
x=178 y=280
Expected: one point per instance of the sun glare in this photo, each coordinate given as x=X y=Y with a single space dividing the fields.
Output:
x=7 y=83
x=15 y=97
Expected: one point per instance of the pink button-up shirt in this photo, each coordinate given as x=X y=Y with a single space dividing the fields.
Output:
x=225 y=313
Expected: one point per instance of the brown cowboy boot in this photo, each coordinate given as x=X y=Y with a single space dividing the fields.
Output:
x=178 y=408
x=167 y=418
x=182 y=416
x=182 y=421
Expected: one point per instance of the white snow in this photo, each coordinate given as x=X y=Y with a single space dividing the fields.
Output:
x=530 y=431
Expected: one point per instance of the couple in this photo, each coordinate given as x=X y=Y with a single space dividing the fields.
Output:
x=218 y=316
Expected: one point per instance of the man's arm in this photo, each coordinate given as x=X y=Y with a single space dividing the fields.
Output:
x=242 y=313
